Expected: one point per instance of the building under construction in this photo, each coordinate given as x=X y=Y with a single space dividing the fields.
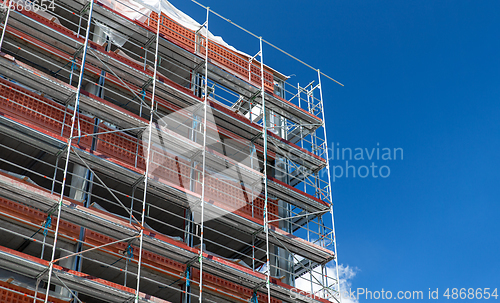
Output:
x=143 y=159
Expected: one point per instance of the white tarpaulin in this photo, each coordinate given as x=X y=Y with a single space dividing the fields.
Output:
x=141 y=9
x=114 y=35
x=135 y=10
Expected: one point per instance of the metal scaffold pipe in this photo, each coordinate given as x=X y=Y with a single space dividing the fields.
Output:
x=68 y=150
x=148 y=159
x=5 y=24
x=334 y=239
x=204 y=155
x=266 y=208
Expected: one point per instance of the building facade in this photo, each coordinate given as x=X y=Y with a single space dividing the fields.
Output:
x=144 y=162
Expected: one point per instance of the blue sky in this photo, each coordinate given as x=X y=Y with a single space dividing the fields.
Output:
x=419 y=75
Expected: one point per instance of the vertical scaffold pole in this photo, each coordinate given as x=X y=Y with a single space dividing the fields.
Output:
x=68 y=150
x=204 y=155
x=146 y=174
x=264 y=133
x=5 y=24
x=334 y=239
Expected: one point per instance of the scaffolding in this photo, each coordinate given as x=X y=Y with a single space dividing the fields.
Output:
x=143 y=160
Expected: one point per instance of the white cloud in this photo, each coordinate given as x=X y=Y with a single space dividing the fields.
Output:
x=346 y=275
